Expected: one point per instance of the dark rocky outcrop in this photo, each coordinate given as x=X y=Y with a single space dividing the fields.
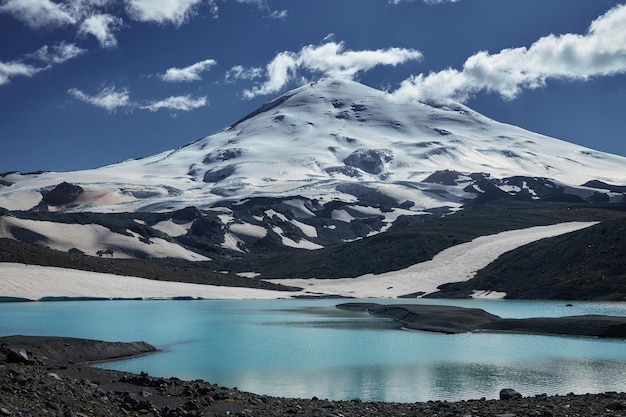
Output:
x=452 y=319
x=17 y=355
x=371 y=161
x=62 y=194
x=524 y=188
x=509 y=394
x=223 y=155
x=187 y=214
x=220 y=174
x=601 y=185
x=63 y=350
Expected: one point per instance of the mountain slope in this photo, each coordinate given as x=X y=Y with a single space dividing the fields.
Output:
x=336 y=172
x=318 y=141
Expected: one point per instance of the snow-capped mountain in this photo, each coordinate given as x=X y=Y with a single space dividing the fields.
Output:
x=314 y=140
x=303 y=167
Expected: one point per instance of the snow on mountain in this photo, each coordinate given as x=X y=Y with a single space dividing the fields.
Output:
x=326 y=163
x=316 y=141
x=92 y=239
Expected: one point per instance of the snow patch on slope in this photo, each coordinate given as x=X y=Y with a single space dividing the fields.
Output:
x=34 y=282
x=455 y=264
x=92 y=239
x=247 y=229
x=302 y=244
x=173 y=227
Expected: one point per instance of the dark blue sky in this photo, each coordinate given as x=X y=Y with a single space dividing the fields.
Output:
x=86 y=83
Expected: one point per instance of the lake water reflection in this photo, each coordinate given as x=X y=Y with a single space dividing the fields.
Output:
x=306 y=348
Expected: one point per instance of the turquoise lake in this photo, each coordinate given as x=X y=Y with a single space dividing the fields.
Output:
x=306 y=348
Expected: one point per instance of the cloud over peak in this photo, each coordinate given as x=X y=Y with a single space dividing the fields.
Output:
x=181 y=103
x=330 y=59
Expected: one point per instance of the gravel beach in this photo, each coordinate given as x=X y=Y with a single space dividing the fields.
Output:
x=49 y=376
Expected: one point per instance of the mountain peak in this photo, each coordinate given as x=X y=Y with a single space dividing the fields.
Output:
x=320 y=140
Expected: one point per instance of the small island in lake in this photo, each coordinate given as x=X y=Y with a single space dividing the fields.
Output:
x=452 y=319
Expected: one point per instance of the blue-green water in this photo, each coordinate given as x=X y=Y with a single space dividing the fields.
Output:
x=306 y=348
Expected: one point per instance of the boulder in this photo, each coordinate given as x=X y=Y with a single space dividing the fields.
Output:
x=62 y=194
x=509 y=394
x=16 y=355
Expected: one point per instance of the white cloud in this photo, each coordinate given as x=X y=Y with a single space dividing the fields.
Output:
x=276 y=14
x=92 y=17
x=85 y=14
x=175 y=12
x=38 y=13
x=58 y=53
x=182 y=103
x=12 y=69
x=112 y=99
x=330 y=59
x=102 y=27
x=599 y=52
x=190 y=73
x=238 y=72
x=279 y=72
x=108 y=98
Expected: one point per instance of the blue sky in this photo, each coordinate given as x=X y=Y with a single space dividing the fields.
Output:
x=85 y=83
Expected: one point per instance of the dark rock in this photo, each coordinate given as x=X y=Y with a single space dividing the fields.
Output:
x=63 y=350
x=223 y=155
x=509 y=394
x=445 y=177
x=20 y=379
x=53 y=406
x=187 y=214
x=371 y=161
x=604 y=186
x=16 y=355
x=62 y=194
x=217 y=175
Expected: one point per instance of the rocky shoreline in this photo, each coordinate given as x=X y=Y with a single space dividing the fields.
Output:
x=39 y=378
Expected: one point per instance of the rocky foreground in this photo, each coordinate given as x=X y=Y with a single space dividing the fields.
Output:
x=46 y=376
